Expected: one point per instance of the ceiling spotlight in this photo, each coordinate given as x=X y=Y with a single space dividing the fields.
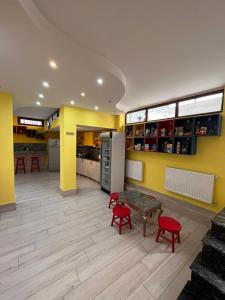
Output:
x=82 y=94
x=41 y=96
x=96 y=107
x=45 y=84
x=53 y=64
x=72 y=102
x=100 y=81
x=38 y=103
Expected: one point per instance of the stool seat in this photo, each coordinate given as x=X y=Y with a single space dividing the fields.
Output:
x=114 y=197
x=121 y=211
x=20 y=165
x=172 y=226
x=123 y=214
x=169 y=224
x=35 y=164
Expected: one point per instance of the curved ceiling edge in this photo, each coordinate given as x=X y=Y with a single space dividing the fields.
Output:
x=48 y=28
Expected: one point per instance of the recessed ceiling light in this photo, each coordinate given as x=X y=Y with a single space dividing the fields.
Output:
x=100 y=81
x=53 y=64
x=38 y=103
x=96 y=107
x=45 y=84
x=72 y=102
x=41 y=96
x=83 y=94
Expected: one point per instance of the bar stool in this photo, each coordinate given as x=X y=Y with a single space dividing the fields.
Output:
x=122 y=213
x=172 y=226
x=35 y=164
x=20 y=165
x=114 y=197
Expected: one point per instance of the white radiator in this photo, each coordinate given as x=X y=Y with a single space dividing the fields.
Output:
x=195 y=185
x=134 y=169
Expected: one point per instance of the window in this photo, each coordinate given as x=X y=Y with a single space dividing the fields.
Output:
x=201 y=105
x=136 y=116
x=30 y=122
x=162 y=112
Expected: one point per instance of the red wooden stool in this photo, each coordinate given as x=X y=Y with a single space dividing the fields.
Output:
x=35 y=164
x=122 y=213
x=172 y=226
x=20 y=165
x=114 y=197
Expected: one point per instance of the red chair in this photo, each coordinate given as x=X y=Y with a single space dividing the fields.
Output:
x=172 y=226
x=35 y=164
x=123 y=214
x=20 y=165
x=114 y=197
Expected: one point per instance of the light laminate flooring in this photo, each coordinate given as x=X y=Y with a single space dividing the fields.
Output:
x=54 y=247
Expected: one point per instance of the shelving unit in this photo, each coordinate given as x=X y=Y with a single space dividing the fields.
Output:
x=177 y=136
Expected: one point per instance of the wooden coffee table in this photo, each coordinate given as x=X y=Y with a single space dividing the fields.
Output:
x=144 y=204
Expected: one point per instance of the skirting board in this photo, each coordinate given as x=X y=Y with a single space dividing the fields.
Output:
x=68 y=193
x=7 y=207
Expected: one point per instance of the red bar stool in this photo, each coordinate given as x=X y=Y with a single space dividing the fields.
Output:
x=35 y=164
x=20 y=165
x=172 y=226
x=114 y=197
x=123 y=214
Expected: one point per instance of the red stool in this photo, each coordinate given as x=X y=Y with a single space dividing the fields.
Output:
x=20 y=165
x=35 y=164
x=122 y=213
x=114 y=197
x=172 y=226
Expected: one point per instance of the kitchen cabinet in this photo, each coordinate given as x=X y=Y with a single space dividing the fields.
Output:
x=88 y=168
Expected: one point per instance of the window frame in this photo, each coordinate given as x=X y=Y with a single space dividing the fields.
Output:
x=199 y=96
x=29 y=119
x=136 y=110
x=177 y=107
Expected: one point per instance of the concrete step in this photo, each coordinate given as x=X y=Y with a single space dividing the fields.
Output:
x=213 y=254
x=205 y=283
x=218 y=226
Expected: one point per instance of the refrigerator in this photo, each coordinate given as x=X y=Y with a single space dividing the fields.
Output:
x=112 y=161
x=53 y=155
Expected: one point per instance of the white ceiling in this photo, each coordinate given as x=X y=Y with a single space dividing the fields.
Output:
x=147 y=51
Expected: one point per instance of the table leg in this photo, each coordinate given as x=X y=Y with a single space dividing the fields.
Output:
x=144 y=225
x=160 y=212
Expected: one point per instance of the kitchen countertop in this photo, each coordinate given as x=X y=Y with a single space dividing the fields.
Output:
x=92 y=159
x=30 y=152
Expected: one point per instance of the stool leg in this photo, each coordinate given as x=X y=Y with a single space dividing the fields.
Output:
x=24 y=168
x=129 y=221
x=16 y=167
x=120 y=225
x=173 y=243
x=110 y=202
x=158 y=234
x=112 y=221
x=178 y=237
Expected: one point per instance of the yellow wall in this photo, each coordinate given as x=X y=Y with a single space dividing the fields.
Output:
x=210 y=158
x=7 y=192
x=70 y=117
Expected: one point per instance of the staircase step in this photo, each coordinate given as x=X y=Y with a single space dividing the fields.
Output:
x=205 y=283
x=187 y=292
x=213 y=254
x=218 y=225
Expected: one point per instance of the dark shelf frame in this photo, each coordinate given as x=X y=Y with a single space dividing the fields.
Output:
x=192 y=138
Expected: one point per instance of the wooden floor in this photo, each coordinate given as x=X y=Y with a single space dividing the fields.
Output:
x=64 y=248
